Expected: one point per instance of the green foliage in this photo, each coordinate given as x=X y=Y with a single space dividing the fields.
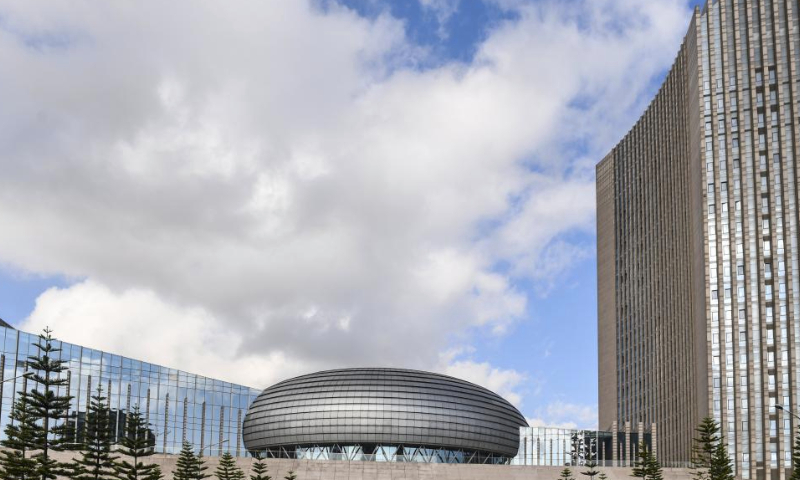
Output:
x=50 y=408
x=710 y=458
x=602 y=476
x=704 y=448
x=15 y=463
x=227 y=469
x=566 y=474
x=260 y=470
x=137 y=444
x=290 y=475
x=721 y=466
x=591 y=469
x=639 y=470
x=96 y=461
x=796 y=457
x=647 y=466
x=189 y=465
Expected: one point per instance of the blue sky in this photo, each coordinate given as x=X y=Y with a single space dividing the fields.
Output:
x=306 y=186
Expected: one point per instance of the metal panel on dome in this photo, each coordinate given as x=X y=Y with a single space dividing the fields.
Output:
x=370 y=406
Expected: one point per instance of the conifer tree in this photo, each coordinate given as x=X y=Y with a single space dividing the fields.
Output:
x=602 y=476
x=260 y=470
x=647 y=466
x=639 y=464
x=50 y=408
x=96 y=461
x=227 y=469
x=566 y=474
x=796 y=457
x=654 y=470
x=186 y=464
x=591 y=468
x=189 y=465
x=704 y=447
x=290 y=475
x=137 y=445
x=15 y=461
x=721 y=466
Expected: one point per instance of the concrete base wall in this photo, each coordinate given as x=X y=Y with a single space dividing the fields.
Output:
x=341 y=470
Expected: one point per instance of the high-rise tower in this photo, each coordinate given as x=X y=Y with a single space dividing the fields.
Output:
x=697 y=214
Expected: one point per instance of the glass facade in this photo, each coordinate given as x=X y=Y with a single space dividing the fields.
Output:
x=547 y=446
x=750 y=220
x=178 y=405
x=716 y=284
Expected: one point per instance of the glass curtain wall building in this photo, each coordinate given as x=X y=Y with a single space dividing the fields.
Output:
x=178 y=405
x=698 y=275
x=548 y=446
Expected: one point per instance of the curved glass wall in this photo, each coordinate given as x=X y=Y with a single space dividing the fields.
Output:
x=180 y=406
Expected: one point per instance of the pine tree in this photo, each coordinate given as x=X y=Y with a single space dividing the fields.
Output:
x=189 y=465
x=566 y=474
x=654 y=470
x=290 y=475
x=200 y=466
x=96 y=461
x=50 y=408
x=137 y=445
x=260 y=470
x=591 y=466
x=647 y=466
x=227 y=469
x=721 y=466
x=640 y=465
x=704 y=447
x=184 y=467
x=796 y=457
x=15 y=464
x=602 y=476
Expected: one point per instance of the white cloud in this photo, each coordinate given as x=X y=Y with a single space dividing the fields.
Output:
x=539 y=422
x=561 y=414
x=278 y=179
x=122 y=322
x=504 y=382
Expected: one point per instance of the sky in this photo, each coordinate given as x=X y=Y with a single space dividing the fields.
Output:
x=253 y=190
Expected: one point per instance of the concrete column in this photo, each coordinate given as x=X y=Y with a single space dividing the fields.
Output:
x=640 y=431
x=166 y=421
x=525 y=450
x=614 y=444
x=602 y=453
x=628 y=444
x=654 y=439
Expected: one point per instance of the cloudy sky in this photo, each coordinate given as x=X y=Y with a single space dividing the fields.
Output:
x=252 y=190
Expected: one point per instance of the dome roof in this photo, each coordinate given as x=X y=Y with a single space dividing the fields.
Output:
x=381 y=406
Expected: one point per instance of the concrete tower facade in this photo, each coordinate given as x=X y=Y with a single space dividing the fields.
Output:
x=698 y=276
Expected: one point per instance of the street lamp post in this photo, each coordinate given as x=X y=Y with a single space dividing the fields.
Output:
x=26 y=374
x=780 y=407
x=212 y=445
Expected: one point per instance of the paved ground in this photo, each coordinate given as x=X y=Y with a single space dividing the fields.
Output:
x=340 y=470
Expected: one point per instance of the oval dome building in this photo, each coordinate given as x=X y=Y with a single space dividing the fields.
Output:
x=384 y=415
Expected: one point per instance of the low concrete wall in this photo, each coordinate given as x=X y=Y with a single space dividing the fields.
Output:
x=341 y=470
